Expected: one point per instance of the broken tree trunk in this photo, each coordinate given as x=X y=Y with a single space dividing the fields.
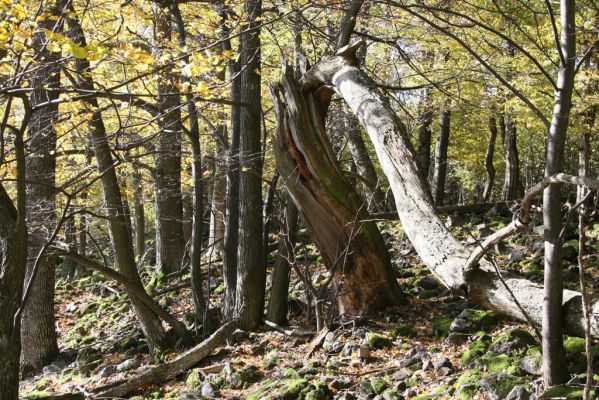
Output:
x=171 y=369
x=438 y=248
x=351 y=247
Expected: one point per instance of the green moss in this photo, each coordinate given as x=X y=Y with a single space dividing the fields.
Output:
x=290 y=373
x=375 y=342
x=435 y=393
x=263 y=390
x=319 y=391
x=379 y=385
x=516 y=334
x=220 y=289
x=475 y=350
x=292 y=389
x=503 y=384
x=42 y=383
x=404 y=330
x=565 y=392
x=194 y=379
x=467 y=385
x=441 y=326
x=574 y=345
x=496 y=363
x=391 y=394
x=37 y=395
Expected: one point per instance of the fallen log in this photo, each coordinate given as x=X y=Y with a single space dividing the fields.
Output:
x=445 y=256
x=169 y=370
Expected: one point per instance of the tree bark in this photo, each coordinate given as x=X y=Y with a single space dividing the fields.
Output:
x=511 y=185
x=351 y=246
x=489 y=167
x=37 y=326
x=170 y=245
x=424 y=135
x=70 y=239
x=231 y=234
x=440 y=172
x=363 y=163
x=554 y=372
x=251 y=273
x=13 y=260
x=279 y=290
x=140 y=215
x=217 y=215
x=439 y=250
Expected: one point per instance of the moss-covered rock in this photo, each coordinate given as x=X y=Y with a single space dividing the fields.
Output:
x=441 y=326
x=574 y=345
x=471 y=321
x=498 y=386
x=292 y=389
x=376 y=342
x=379 y=385
x=475 y=350
x=391 y=394
x=194 y=379
x=403 y=330
x=467 y=385
x=565 y=392
x=493 y=362
x=441 y=391
x=512 y=341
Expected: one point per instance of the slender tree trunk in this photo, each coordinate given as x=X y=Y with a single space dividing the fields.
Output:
x=37 y=326
x=489 y=167
x=424 y=135
x=364 y=165
x=217 y=215
x=118 y=220
x=511 y=186
x=440 y=172
x=70 y=239
x=279 y=290
x=251 y=273
x=13 y=259
x=201 y=310
x=140 y=215
x=269 y=202
x=231 y=234
x=554 y=372
x=170 y=245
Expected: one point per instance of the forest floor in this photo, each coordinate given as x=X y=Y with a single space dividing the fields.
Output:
x=437 y=347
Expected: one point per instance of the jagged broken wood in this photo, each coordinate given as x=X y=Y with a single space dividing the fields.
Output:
x=169 y=370
x=445 y=256
x=351 y=246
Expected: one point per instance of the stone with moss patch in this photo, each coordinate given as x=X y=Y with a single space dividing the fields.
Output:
x=404 y=330
x=475 y=350
x=471 y=320
x=467 y=385
x=194 y=379
x=441 y=391
x=574 y=345
x=565 y=392
x=514 y=340
x=498 y=386
x=377 y=342
x=379 y=385
x=441 y=326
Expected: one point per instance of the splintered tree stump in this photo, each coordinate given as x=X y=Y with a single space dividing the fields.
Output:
x=351 y=245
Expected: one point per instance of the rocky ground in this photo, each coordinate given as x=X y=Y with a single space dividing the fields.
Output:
x=437 y=347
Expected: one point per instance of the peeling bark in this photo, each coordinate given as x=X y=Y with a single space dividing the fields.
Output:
x=438 y=248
